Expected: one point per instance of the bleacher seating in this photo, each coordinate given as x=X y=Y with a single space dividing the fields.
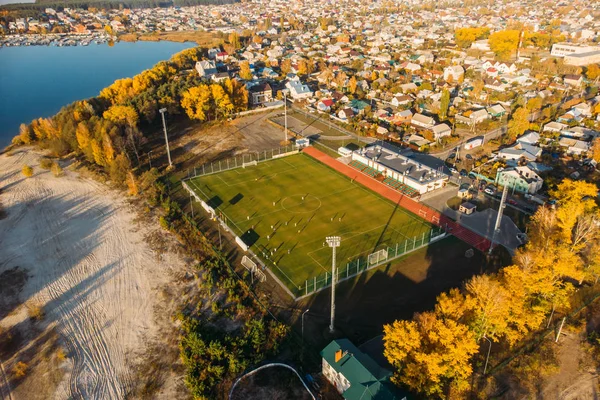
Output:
x=391 y=182
x=401 y=187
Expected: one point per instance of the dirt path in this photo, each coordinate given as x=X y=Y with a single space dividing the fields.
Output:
x=89 y=269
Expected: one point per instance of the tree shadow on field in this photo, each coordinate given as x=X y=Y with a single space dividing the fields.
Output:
x=250 y=237
x=214 y=202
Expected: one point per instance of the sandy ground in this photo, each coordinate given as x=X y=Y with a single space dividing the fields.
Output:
x=87 y=265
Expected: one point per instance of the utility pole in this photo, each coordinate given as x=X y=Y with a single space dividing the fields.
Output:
x=333 y=242
x=307 y=310
x=162 y=113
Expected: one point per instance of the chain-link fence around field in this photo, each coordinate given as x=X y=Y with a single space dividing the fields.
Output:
x=242 y=161
x=369 y=261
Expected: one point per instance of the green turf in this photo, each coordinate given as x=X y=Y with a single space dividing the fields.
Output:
x=298 y=201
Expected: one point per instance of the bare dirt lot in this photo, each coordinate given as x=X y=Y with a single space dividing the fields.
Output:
x=82 y=294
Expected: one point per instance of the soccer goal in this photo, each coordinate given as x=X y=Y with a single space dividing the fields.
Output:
x=378 y=256
x=253 y=268
x=249 y=164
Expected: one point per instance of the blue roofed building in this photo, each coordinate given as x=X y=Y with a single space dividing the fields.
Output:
x=355 y=374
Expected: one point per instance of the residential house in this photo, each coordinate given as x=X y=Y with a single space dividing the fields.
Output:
x=400 y=100
x=455 y=71
x=422 y=121
x=355 y=375
x=520 y=151
x=496 y=111
x=573 y=80
x=358 y=106
x=220 y=76
x=345 y=114
x=441 y=130
x=554 y=127
x=325 y=105
x=520 y=179
x=574 y=146
x=260 y=94
x=298 y=90
x=206 y=68
x=403 y=117
x=478 y=116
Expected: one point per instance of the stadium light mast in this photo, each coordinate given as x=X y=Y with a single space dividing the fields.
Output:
x=498 y=218
x=284 y=91
x=333 y=242
x=162 y=113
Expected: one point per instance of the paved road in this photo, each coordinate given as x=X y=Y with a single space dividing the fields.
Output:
x=466 y=135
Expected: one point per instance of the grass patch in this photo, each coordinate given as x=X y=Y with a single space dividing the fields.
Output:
x=286 y=207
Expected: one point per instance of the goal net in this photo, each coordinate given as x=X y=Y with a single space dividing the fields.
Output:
x=249 y=163
x=378 y=256
x=253 y=268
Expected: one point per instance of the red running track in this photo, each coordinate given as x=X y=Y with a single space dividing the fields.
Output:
x=423 y=211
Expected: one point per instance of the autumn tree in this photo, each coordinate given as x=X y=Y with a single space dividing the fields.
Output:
x=234 y=40
x=27 y=171
x=352 y=85
x=26 y=134
x=119 y=169
x=518 y=124
x=593 y=72
x=122 y=115
x=464 y=37
x=430 y=355
x=196 y=102
x=444 y=104
x=504 y=43
x=84 y=140
x=596 y=150
x=286 y=66
x=221 y=99
x=245 y=72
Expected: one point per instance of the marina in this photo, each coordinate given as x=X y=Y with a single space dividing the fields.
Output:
x=54 y=39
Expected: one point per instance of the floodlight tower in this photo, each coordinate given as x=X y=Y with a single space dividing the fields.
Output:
x=499 y=218
x=162 y=113
x=333 y=242
x=284 y=91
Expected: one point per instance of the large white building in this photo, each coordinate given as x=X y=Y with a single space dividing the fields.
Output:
x=568 y=49
x=402 y=168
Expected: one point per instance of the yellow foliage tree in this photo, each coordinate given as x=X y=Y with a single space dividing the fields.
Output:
x=196 y=102
x=245 y=72
x=84 y=139
x=504 y=43
x=122 y=115
x=352 y=85
x=221 y=99
x=98 y=153
x=27 y=171
x=464 y=37
x=431 y=355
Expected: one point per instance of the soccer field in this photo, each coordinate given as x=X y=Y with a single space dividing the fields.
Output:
x=284 y=208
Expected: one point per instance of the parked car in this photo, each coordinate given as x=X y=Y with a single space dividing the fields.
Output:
x=452 y=170
x=463 y=172
x=522 y=237
x=512 y=202
x=469 y=157
x=490 y=190
x=530 y=209
x=472 y=175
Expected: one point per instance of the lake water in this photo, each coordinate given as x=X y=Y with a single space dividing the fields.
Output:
x=38 y=81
